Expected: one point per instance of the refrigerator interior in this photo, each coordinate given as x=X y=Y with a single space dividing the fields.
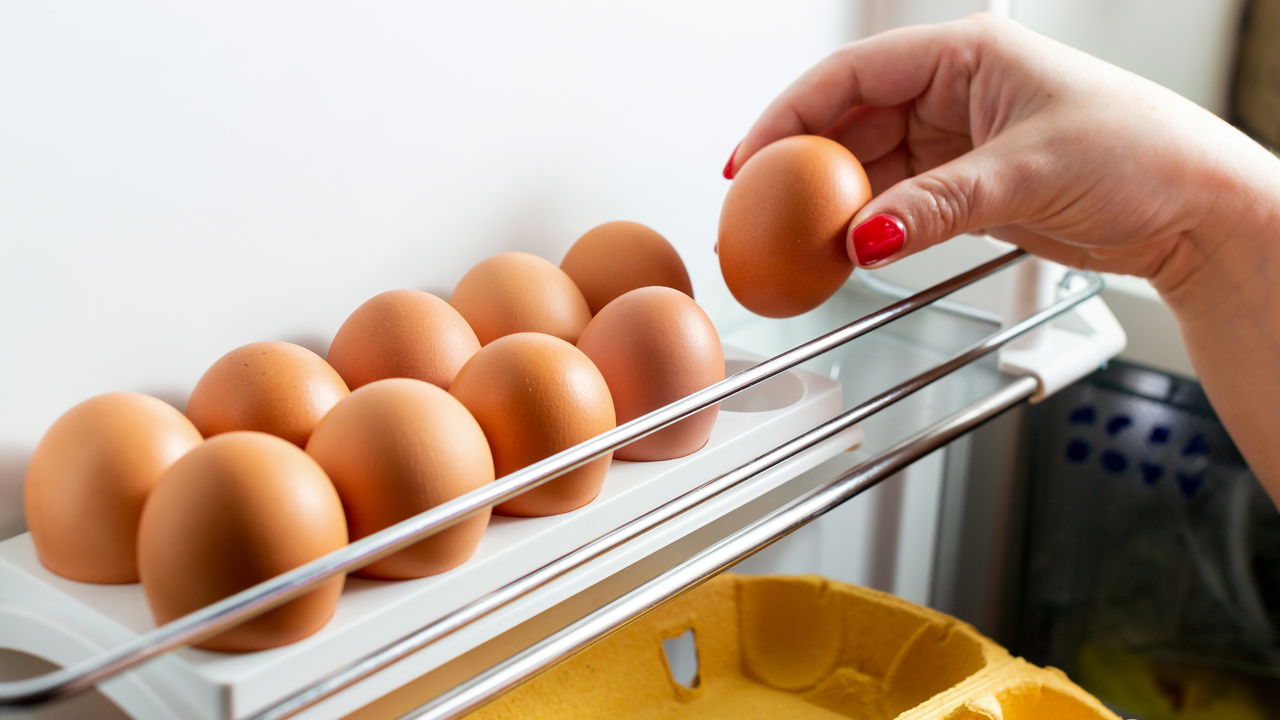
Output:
x=1149 y=571
x=181 y=180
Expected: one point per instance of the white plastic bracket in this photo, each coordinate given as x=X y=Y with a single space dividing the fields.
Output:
x=1065 y=350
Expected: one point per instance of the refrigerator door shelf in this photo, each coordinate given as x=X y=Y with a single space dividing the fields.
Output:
x=382 y=616
x=1133 y=323
x=1057 y=354
x=927 y=338
x=81 y=619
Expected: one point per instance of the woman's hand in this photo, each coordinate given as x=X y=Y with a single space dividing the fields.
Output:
x=981 y=124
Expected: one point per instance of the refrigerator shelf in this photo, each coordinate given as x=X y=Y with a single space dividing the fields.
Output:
x=572 y=562
x=370 y=613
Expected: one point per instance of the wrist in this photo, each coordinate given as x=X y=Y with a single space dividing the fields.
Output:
x=1228 y=260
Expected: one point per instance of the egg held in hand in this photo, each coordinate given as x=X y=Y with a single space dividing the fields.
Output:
x=783 y=224
x=272 y=387
x=535 y=395
x=617 y=257
x=518 y=292
x=239 y=509
x=398 y=447
x=402 y=334
x=654 y=346
x=90 y=477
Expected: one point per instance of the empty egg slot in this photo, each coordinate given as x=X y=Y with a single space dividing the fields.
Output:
x=773 y=394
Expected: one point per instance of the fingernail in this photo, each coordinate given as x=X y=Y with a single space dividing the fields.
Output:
x=728 y=167
x=877 y=238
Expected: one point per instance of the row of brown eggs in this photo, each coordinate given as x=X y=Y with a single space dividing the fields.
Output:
x=420 y=401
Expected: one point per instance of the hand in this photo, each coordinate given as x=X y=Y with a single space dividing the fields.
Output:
x=981 y=124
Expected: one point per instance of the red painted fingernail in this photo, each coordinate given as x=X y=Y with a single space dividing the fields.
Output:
x=877 y=238
x=728 y=167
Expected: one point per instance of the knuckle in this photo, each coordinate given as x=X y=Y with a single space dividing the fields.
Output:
x=984 y=31
x=949 y=200
x=987 y=22
x=979 y=19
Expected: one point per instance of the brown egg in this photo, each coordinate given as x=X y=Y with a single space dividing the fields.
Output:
x=273 y=387
x=783 y=224
x=620 y=256
x=402 y=334
x=535 y=395
x=89 y=478
x=653 y=346
x=395 y=448
x=238 y=510
x=518 y=292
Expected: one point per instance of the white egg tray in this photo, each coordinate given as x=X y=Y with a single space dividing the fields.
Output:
x=64 y=621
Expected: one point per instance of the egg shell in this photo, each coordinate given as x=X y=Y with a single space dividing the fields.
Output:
x=535 y=395
x=239 y=509
x=653 y=346
x=272 y=387
x=783 y=224
x=398 y=447
x=402 y=334
x=90 y=477
x=620 y=256
x=518 y=292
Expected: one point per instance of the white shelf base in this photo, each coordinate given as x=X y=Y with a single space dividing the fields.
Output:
x=64 y=621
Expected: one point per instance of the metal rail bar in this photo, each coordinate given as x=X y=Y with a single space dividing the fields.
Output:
x=395 y=651
x=892 y=289
x=720 y=556
x=271 y=593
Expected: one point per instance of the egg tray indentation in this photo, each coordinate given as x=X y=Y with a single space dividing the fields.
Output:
x=798 y=647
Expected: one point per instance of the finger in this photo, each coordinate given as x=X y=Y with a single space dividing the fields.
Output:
x=888 y=69
x=911 y=157
x=889 y=170
x=986 y=187
x=1099 y=258
x=870 y=133
x=1042 y=245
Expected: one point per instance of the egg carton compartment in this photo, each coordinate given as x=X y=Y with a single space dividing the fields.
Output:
x=796 y=647
x=64 y=621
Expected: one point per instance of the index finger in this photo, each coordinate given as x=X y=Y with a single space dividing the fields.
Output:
x=887 y=69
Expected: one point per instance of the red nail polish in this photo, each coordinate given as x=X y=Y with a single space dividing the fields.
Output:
x=728 y=167
x=877 y=238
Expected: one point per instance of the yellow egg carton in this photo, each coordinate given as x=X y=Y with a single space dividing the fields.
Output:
x=798 y=647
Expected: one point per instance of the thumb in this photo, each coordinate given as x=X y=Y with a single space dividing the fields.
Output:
x=972 y=191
